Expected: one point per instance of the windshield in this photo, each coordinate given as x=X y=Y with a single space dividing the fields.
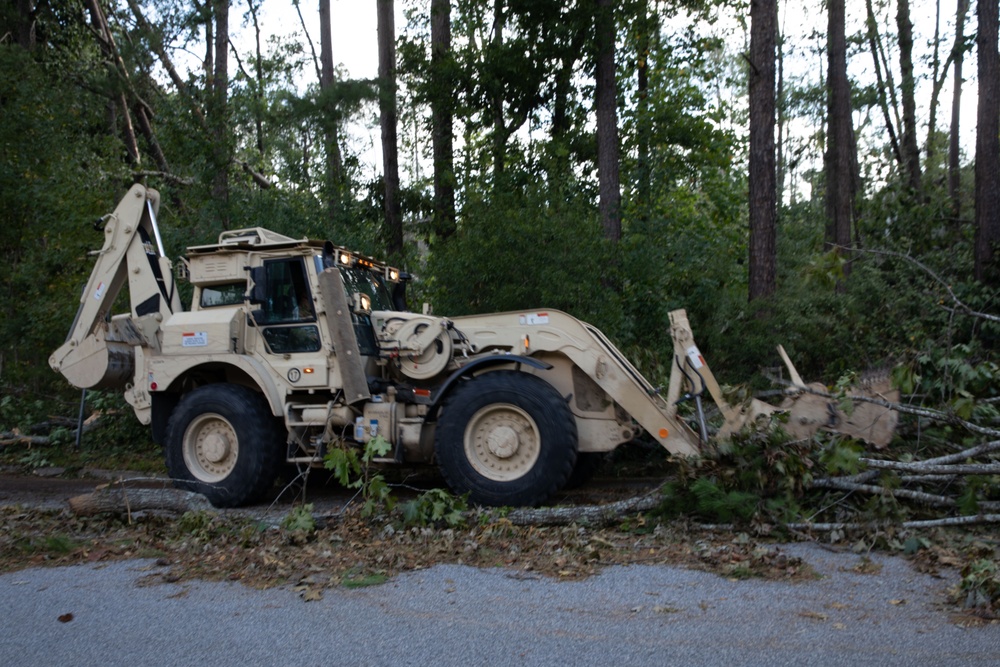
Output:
x=365 y=281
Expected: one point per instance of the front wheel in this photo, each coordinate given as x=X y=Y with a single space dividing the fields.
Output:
x=223 y=443
x=506 y=438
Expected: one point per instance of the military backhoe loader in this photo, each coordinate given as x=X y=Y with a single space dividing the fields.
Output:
x=292 y=347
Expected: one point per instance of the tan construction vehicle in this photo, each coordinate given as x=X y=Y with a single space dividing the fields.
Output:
x=293 y=347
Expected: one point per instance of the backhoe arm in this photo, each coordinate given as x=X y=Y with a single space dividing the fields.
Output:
x=98 y=352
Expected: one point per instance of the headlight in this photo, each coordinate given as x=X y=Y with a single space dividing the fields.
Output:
x=345 y=258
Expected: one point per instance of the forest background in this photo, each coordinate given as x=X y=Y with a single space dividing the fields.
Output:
x=616 y=160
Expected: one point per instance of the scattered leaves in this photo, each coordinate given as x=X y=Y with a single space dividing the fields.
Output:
x=815 y=615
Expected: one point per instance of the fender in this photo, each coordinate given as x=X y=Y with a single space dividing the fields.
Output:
x=248 y=366
x=478 y=365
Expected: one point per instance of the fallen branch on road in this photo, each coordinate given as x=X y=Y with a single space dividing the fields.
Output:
x=594 y=515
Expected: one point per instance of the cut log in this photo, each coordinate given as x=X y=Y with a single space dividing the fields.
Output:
x=124 y=499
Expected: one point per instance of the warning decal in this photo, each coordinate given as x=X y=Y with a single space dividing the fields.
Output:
x=534 y=319
x=195 y=339
x=697 y=361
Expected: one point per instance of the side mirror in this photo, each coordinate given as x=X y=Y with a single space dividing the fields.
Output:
x=399 y=293
x=329 y=261
x=399 y=297
x=258 y=292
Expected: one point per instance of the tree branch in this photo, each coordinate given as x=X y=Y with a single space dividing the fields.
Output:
x=167 y=176
x=918 y=496
x=966 y=469
x=960 y=305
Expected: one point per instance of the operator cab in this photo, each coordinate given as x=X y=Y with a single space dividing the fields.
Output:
x=282 y=285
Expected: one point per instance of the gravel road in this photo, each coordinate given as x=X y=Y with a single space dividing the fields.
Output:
x=460 y=616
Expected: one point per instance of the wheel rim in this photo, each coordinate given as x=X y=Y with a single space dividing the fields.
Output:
x=210 y=447
x=502 y=442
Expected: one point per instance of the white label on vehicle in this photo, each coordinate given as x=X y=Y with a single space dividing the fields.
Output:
x=99 y=292
x=534 y=319
x=697 y=361
x=195 y=339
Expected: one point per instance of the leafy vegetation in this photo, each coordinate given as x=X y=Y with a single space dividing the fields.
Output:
x=36 y=435
x=354 y=471
x=760 y=476
x=980 y=586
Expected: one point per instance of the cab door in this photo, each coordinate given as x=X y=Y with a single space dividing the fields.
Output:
x=288 y=326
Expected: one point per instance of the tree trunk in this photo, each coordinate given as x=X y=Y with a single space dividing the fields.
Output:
x=258 y=85
x=937 y=79
x=209 y=66
x=763 y=29
x=119 y=103
x=156 y=43
x=987 y=142
x=646 y=25
x=441 y=119
x=606 y=104
x=911 y=152
x=883 y=83
x=779 y=100
x=840 y=177
x=220 y=79
x=146 y=127
x=220 y=112
x=954 y=150
x=26 y=24
x=388 y=122
x=496 y=101
x=334 y=164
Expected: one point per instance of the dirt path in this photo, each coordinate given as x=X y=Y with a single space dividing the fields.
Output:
x=41 y=492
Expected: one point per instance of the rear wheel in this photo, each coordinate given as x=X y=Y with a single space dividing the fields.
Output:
x=223 y=442
x=506 y=438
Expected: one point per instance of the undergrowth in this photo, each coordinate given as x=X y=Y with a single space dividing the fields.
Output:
x=113 y=438
x=353 y=468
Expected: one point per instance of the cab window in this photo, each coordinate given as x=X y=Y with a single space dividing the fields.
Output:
x=364 y=281
x=289 y=318
x=288 y=297
x=230 y=294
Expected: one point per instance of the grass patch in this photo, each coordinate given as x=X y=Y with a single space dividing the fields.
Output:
x=361 y=580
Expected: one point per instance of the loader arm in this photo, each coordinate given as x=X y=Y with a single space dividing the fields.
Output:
x=99 y=350
x=595 y=355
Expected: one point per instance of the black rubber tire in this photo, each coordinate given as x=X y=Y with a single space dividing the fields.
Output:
x=252 y=446
x=587 y=465
x=496 y=405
